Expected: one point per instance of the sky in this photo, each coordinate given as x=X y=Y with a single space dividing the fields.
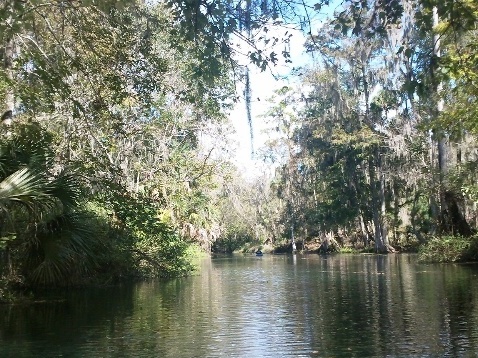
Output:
x=263 y=85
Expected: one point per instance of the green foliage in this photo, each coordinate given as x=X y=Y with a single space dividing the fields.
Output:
x=153 y=247
x=347 y=250
x=449 y=249
x=61 y=251
x=115 y=94
x=50 y=238
x=351 y=21
x=421 y=221
x=407 y=242
x=232 y=241
x=43 y=234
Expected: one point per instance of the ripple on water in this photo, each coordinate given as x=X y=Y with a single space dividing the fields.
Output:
x=275 y=306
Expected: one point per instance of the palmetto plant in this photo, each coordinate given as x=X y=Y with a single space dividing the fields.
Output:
x=43 y=234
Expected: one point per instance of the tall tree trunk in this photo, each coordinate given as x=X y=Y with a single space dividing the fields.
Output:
x=452 y=216
x=377 y=189
x=442 y=141
x=247 y=89
x=363 y=229
x=375 y=201
x=383 y=210
x=433 y=203
x=9 y=104
x=438 y=152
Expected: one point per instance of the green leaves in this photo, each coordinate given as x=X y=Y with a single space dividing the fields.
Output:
x=23 y=187
x=156 y=249
x=62 y=249
x=50 y=240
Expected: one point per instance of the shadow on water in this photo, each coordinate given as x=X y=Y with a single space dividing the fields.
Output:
x=270 y=306
x=55 y=326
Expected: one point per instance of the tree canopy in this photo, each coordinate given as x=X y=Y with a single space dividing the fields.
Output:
x=113 y=114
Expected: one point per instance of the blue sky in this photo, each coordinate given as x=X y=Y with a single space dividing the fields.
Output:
x=263 y=85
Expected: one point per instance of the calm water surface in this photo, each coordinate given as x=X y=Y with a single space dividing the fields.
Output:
x=270 y=306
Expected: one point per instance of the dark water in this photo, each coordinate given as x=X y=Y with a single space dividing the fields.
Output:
x=270 y=306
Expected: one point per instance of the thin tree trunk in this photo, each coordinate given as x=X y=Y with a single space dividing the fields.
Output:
x=434 y=207
x=383 y=211
x=442 y=141
x=9 y=105
x=364 y=230
x=377 y=232
x=378 y=203
x=247 y=89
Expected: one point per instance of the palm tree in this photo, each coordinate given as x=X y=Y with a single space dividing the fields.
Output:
x=43 y=235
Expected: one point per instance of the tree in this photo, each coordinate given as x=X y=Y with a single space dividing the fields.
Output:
x=127 y=119
x=43 y=233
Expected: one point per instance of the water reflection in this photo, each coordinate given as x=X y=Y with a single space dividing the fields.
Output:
x=270 y=306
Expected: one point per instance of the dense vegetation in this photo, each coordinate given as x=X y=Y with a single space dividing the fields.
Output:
x=380 y=139
x=103 y=174
x=376 y=146
x=114 y=114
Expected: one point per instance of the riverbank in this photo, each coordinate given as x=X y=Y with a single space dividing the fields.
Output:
x=449 y=249
x=446 y=249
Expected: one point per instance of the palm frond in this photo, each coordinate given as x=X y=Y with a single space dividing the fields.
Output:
x=52 y=241
x=66 y=188
x=63 y=247
x=24 y=187
x=29 y=146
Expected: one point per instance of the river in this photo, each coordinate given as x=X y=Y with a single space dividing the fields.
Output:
x=270 y=306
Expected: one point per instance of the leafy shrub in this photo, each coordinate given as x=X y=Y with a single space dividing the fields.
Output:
x=232 y=242
x=347 y=250
x=44 y=237
x=449 y=249
x=152 y=248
